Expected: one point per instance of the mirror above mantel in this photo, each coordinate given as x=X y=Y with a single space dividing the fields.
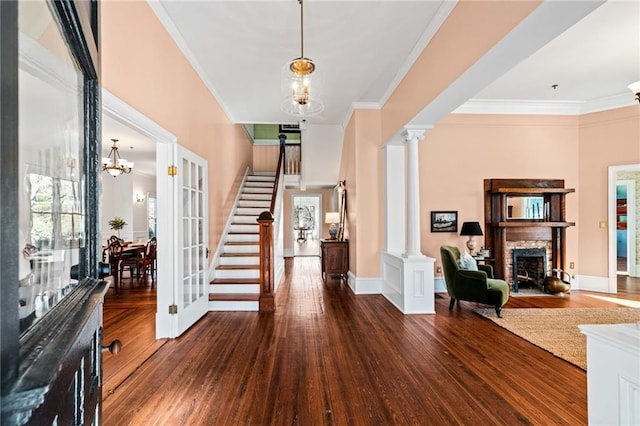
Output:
x=526 y=207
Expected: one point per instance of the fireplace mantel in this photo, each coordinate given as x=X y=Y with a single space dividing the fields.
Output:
x=548 y=224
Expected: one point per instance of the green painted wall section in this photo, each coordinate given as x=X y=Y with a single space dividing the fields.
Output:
x=270 y=132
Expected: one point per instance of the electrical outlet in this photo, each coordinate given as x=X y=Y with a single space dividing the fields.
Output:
x=438 y=269
x=572 y=265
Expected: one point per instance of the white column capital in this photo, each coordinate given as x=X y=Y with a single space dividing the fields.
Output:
x=415 y=133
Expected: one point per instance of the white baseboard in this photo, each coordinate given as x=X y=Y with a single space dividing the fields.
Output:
x=364 y=285
x=594 y=283
x=440 y=285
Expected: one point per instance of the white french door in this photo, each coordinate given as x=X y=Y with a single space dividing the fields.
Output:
x=185 y=300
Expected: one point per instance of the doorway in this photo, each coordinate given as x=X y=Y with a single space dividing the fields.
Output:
x=306 y=212
x=624 y=184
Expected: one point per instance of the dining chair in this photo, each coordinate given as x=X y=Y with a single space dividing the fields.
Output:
x=114 y=252
x=147 y=262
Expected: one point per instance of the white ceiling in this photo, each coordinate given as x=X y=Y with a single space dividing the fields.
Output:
x=363 y=48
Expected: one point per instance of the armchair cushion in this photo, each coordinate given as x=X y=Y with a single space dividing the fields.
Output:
x=467 y=262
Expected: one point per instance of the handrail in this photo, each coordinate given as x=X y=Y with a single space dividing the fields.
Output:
x=275 y=183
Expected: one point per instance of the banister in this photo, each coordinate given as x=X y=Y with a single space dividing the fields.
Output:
x=278 y=173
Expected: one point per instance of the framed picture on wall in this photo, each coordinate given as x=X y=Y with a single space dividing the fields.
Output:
x=445 y=221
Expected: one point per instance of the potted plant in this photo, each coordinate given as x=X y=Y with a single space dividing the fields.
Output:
x=116 y=224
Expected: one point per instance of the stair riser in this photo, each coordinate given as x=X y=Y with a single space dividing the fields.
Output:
x=245 y=219
x=220 y=305
x=235 y=288
x=258 y=190
x=250 y=210
x=248 y=249
x=243 y=238
x=264 y=205
x=259 y=184
x=237 y=273
x=261 y=178
x=244 y=228
x=240 y=261
x=257 y=197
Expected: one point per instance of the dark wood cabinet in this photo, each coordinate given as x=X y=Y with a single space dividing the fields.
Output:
x=335 y=258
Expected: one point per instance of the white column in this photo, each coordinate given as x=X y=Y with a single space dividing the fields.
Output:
x=394 y=202
x=412 y=137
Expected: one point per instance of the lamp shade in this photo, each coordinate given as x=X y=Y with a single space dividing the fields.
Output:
x=332 y=217
x=470 y=229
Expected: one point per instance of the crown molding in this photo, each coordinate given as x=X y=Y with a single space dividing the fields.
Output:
x=536 y=107
x=173 y=31
x=610 y=102
x=525 y=107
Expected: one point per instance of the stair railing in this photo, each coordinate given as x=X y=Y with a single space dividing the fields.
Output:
x=267 y=241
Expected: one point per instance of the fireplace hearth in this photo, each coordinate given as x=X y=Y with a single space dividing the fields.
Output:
x=529 y=268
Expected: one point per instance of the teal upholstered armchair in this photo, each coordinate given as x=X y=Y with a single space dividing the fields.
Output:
x=473 y=286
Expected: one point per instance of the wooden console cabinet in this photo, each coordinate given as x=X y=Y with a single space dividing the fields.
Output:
x=335 y=258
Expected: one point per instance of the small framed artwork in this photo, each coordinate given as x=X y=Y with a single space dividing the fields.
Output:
x=444 y=221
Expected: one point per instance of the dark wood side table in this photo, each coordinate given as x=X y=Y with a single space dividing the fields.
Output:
x=335 y=258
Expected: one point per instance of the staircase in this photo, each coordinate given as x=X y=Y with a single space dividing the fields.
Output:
x=236 y=286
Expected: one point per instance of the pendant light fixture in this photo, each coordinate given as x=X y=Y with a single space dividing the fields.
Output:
x=114 y=164
x=300 y=82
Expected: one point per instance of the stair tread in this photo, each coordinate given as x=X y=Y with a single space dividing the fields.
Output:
x=228 y=281
x=242 y=233
x=241 y=243
x=238 y=267
x=232 y=297
x=256 y=254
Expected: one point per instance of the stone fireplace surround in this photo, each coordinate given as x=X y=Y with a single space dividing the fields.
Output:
x=538 y=256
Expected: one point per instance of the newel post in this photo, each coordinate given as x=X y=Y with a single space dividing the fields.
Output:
x=265 y=223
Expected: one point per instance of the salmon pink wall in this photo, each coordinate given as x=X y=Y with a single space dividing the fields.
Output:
x=142 y=65
x=470 y=31
x=463 y=150
x=265 y=158
x=347 y=173
x=607 y=138
x=361 y=168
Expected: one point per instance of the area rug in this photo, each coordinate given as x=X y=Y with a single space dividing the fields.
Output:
x=556 y=330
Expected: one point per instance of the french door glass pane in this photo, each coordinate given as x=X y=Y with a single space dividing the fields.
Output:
x=50 y=131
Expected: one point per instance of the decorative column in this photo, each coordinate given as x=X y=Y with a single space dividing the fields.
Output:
x=412 y=137
x=407 y=277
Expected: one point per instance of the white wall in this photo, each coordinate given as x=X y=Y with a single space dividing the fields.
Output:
x=321 y=151
x=144 y=185
x=118 y=198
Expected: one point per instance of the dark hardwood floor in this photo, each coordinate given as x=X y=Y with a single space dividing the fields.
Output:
x=329 y=357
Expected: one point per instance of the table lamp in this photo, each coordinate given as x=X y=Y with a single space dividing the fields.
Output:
x=471 y=229
x=332 y=218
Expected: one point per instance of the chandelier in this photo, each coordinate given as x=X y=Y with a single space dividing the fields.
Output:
x=298 y=75
x=115 y=165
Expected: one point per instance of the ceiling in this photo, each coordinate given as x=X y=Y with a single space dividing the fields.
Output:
x=363 y=48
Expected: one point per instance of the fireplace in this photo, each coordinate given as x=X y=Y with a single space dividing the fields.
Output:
x=529 y=268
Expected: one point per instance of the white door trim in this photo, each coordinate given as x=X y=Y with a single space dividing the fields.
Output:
x=124 y=113
x=613 y=171
x=294 y=239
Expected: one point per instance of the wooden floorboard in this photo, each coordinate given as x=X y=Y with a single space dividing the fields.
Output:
x=329 y=357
